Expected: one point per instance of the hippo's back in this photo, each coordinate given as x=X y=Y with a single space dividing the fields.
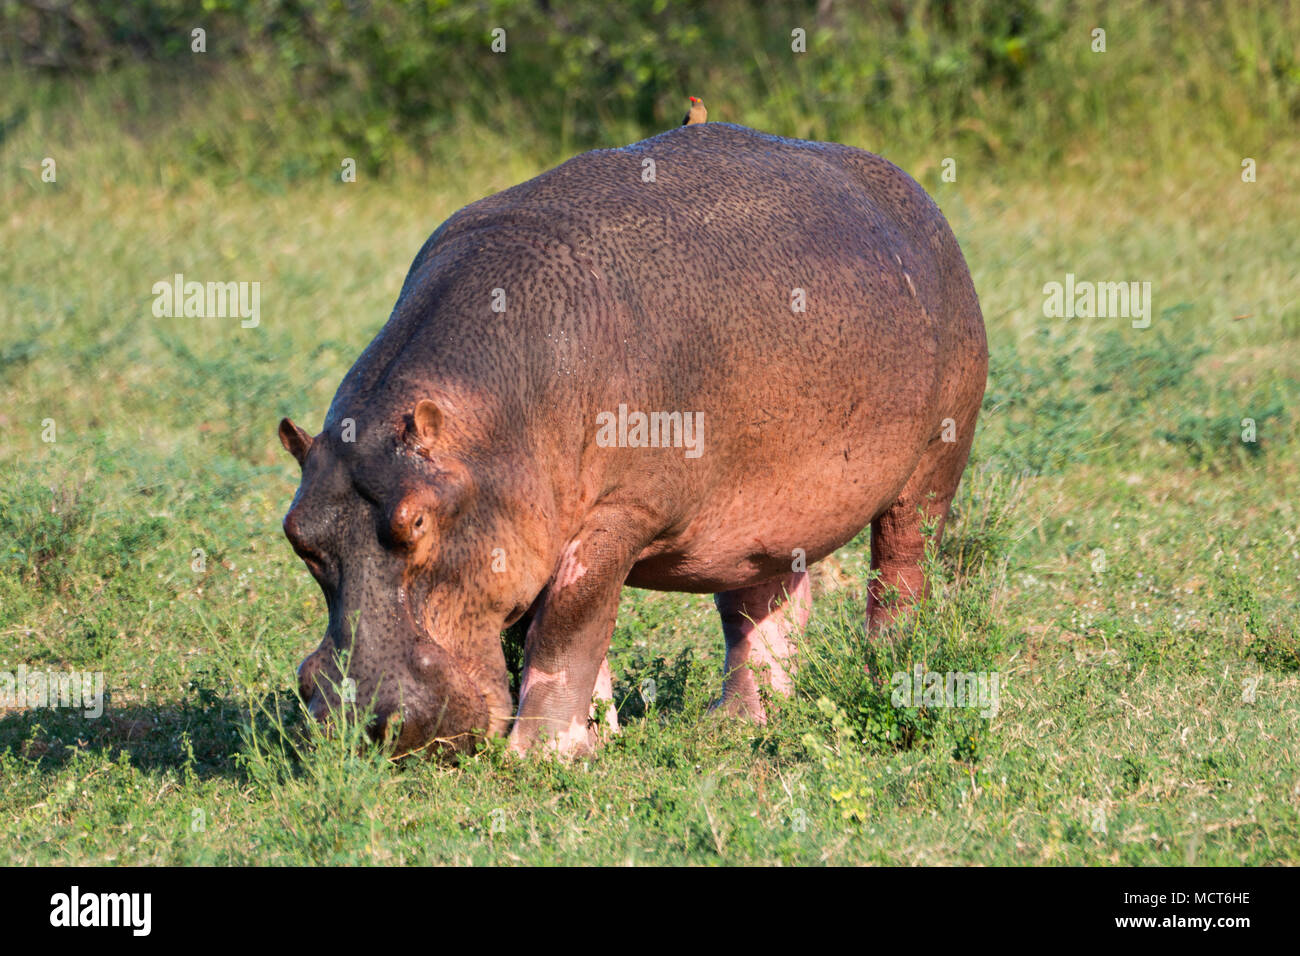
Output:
x=711 y=237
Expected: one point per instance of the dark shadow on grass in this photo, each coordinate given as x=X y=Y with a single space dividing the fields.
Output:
x=204 y=733
x=644 y=681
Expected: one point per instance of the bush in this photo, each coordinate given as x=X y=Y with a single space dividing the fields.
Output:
x=1011 y=77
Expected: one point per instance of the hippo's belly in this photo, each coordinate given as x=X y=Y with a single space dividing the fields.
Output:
x=769 y=511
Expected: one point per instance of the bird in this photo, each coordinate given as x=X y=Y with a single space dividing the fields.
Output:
x=697 y=114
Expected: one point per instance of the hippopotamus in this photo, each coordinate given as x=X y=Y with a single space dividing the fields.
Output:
x=698 y=363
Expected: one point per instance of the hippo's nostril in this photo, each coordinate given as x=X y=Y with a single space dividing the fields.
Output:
x=317 y=707
x=308 y=671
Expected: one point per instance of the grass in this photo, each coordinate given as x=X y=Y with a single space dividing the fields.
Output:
x=1119 y=556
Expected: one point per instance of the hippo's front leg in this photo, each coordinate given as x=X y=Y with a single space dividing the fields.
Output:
x=564 y=651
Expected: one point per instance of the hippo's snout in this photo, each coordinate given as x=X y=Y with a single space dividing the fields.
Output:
x=323 y=690
x=308 y=689
x=398 y=720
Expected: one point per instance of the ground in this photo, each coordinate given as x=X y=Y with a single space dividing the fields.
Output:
x=1120 y=557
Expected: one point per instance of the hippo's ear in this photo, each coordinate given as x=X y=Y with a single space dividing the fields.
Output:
x=295 y=441
x=425 y=423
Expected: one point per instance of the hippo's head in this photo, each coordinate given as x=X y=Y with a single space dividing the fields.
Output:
x=410 y=551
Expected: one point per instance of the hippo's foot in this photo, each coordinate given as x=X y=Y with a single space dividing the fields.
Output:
x=740 y=707
x=603 y=717
x=761 y=624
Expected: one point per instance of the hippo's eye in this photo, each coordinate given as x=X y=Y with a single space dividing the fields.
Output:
x=410 y=520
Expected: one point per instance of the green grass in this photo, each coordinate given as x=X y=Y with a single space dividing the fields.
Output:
x=1118 y=555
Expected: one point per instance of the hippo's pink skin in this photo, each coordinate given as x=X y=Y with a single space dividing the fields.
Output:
x=479 y=489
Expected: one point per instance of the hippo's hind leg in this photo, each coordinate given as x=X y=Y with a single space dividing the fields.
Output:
x=897 y=552
x=761 y=624
x=898 y=534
